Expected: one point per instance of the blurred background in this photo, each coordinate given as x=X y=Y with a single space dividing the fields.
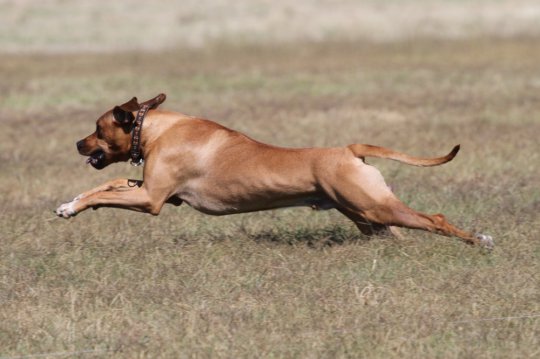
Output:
x=78 y=25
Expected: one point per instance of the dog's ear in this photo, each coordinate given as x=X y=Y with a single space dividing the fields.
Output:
x=123 y=114
x=155 y=102
x=131 y=106
x=124 y=118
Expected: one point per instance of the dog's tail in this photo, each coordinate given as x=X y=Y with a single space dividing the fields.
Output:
x=363 y=151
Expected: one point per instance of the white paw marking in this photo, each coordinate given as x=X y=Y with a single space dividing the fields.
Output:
x=66 y=210
x=77 y=198
x=485 y=240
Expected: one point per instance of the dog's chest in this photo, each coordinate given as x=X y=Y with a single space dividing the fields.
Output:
x=207 y=199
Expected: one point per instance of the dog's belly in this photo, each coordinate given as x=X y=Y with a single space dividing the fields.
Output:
x=218 y=208
x=225 y=200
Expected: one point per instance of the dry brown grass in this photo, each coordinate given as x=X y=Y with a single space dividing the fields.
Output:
x=288 y=283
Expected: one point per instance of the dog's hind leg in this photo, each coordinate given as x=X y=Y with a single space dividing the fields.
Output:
x=398 y=214
x=368 y=228
x=361 y=192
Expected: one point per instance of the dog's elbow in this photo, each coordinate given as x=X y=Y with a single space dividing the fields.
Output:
x=153 y=209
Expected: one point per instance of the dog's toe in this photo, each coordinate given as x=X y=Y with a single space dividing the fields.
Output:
x=66 y=210
x=485 y=240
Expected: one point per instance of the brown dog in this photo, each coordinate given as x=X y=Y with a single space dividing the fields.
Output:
x=220 y=171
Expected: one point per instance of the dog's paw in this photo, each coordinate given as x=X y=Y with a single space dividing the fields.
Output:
x=66 y=210
x=485 y=240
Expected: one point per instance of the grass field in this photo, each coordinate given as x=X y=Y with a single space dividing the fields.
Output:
x=293 y=282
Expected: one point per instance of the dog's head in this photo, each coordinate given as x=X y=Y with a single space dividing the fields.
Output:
x=111 y=141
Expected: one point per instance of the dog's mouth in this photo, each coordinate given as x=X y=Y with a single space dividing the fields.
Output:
x=97 y=159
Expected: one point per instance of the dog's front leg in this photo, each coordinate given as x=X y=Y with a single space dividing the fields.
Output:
x=119 y=184
x=133 y=198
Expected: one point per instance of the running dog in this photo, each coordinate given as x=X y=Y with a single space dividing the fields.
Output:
x=220 y=171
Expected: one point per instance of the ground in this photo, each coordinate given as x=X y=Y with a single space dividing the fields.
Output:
x=292 y=282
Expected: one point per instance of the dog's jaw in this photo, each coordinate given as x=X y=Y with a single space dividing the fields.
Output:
x=97 y=159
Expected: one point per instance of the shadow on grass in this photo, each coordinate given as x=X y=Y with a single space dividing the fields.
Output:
x=312 y=237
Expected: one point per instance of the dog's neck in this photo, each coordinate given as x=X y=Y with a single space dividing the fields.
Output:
x=137 y=157
x=155 y=124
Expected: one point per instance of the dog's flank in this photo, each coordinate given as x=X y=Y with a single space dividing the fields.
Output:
x=220 y=171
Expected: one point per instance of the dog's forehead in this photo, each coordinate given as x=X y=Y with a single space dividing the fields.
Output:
x=105 y=119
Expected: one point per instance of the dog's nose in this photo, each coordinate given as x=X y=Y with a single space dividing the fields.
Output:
x=79 y=145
